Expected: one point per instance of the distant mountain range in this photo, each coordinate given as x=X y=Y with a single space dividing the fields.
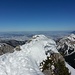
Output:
x=73 y=32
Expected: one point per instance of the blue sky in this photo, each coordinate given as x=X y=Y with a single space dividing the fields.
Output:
x=37 y=15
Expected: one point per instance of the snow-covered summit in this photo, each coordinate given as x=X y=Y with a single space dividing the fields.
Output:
x=39 y=37
x=38 y=46
x=26 y=61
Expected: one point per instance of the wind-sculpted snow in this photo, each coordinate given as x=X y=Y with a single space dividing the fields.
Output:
x=26 y=61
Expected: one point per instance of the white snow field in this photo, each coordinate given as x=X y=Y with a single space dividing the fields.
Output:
x=71 y=69
x=26 y=61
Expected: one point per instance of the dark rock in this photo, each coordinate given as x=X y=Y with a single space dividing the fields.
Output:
x=47 y=72
x=17 y=48
x=66 y=46
x=13 y=43
x=5 y=48
x=71 y=60
x=55 y=57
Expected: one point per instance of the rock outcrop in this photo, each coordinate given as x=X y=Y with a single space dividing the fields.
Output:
x=5 y=48
x=66 y=46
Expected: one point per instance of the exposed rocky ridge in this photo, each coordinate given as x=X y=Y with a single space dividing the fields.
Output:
x=8 y=46
x=48 y=66
x=66 y=46
x=5 y=48
x=70 y=59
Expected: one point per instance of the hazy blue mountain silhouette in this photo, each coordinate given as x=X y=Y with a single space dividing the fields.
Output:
x=73 y=32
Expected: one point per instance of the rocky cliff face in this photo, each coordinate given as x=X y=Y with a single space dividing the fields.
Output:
x=51 y=66
x=66 y=46
x=5 y=48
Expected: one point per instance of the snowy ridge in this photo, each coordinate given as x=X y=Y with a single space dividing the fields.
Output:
x=38 y=46
x=71 y=37
x=67 y=44
x=26 y=61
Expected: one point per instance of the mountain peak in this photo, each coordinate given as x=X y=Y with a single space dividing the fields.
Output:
x=28 y=59
x=38 y=46
x=71 y=37
x=39 y=37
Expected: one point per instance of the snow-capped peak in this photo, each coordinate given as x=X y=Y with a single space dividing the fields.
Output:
x=27 y=61
x=38 y=46
x=71 y=37
x=39 y=37
x=67 y=44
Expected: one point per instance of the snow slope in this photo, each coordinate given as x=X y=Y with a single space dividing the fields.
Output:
x=26 y=61
x=71 y=69
x=67 y=45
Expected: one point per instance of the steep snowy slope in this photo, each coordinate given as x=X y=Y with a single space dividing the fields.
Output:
x=71 y=69
x=67 y=45
x=26 y=61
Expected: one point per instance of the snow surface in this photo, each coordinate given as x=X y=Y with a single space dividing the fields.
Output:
x=26 y=61
x=71 y=69
x=70 y=42
x=71 y=37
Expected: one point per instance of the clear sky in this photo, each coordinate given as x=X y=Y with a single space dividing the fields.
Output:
x=37 y=15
